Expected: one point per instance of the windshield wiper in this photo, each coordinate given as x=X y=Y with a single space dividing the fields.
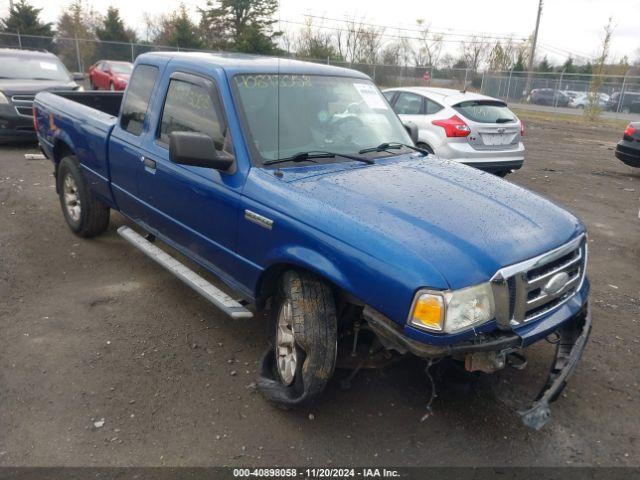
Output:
x=393 y=145
x=505 y=120
x=311 y=156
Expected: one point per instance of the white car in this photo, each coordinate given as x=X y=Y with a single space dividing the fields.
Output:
x=465 y=127
x=581 y=101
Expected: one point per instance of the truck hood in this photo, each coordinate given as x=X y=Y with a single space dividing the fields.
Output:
x=463 y=222
x=31 y=87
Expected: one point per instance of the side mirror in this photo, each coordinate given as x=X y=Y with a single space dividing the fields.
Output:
x=412 y=130
x=78 y=76
x=198 y=150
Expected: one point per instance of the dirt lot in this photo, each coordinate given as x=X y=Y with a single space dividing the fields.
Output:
x=92 y=330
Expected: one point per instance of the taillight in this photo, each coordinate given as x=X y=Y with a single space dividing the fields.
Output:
x=35 y=118
x=453 y=127
x=521 y=128
x=630 y=131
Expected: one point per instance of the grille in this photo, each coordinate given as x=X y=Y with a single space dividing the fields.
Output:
x=528 y=290
x=23 y=98
x=23 y=104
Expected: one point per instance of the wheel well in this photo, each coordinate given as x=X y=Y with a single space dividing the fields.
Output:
x=268 y=284
x=60 y=150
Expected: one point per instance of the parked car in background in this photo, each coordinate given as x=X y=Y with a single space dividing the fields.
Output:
x=582 y=100
x=23 y=73
x=548 y=96
x=110 y=75
x=628 y=149
x=629 y=102
x=465 y=127
x=572 y=93
x=249 y=167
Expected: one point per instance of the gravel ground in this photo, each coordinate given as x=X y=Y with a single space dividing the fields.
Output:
x=106 y=359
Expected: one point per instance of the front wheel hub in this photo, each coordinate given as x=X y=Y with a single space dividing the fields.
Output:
x=286 y=354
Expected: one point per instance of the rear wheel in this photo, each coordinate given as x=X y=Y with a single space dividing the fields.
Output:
x=299 y=364
x=85 y=215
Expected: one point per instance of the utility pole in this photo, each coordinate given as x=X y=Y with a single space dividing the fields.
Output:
x=532 y=54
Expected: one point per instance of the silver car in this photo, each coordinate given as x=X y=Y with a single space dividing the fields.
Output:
x=465 y=127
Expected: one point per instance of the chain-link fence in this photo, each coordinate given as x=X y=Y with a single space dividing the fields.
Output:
x=617 y=93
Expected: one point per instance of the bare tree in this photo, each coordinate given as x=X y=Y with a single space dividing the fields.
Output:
x=358 y=42
x=502 y=55
x=592 y=109
x=429 y=45
x=311 y=42
x=474 y=51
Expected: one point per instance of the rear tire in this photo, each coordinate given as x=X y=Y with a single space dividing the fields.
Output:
x=85 y=215
x=299 y=364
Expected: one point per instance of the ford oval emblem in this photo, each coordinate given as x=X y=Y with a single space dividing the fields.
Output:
x=556 y=283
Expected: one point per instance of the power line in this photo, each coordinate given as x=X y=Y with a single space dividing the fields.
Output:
x=402 y=37
x=416 y=30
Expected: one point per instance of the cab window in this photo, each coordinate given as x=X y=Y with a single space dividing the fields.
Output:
x=136 y=101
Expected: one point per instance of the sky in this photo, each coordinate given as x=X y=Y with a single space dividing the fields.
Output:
x=567 y=26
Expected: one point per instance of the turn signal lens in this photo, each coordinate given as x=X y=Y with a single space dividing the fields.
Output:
x=428 y=312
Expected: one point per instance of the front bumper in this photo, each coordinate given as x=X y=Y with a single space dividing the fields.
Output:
x=573 y=334
x=15 y=128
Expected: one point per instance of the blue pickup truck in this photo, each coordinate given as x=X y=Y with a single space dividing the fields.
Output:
x=298 y=187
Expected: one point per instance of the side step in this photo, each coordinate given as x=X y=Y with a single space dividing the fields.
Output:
x=216 y=296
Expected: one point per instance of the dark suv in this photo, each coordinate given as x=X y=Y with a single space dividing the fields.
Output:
x=629 y=102
x=23 y=74
x=548 y=96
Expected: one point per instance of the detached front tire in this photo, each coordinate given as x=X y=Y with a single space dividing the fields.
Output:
x=85 y=215
x=302 y=358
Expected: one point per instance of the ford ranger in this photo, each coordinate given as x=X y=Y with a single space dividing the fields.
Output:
x=298 y=187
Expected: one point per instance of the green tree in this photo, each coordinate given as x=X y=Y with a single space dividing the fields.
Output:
x=113 y=29
x=78 y=21
x=24 y=19
x=243 y=25
x=544 y=65
x=177 y=30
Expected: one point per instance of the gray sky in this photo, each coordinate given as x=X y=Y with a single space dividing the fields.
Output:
x=574 y=26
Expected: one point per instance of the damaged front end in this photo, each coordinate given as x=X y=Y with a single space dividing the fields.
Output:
x=493 y=351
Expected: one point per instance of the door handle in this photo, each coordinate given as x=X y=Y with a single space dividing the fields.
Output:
x=149 y=165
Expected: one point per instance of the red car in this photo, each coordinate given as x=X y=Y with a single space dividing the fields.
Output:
x=108 y=75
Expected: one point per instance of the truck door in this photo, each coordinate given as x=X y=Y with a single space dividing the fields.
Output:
x=192 y=207
x=125 y=142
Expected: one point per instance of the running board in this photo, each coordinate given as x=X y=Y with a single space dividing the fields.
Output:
x=216 y=296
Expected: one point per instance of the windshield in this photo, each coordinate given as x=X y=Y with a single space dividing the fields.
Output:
x=122 y=68
x=290 y=114
x=25 y=68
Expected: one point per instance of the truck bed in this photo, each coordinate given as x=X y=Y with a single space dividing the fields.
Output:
x=81 y=121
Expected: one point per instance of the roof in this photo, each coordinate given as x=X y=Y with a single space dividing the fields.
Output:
x=447 y=96
x=247 y=63
x=25 y=53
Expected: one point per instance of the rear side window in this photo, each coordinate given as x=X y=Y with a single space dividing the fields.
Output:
x=485 y=111
x=190 y=108
x=431 y=107
x=408 y=104
x=134 y=108
x=388 y=96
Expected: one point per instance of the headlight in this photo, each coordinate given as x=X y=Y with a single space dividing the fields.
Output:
x=3 y=99
x=452 y=311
